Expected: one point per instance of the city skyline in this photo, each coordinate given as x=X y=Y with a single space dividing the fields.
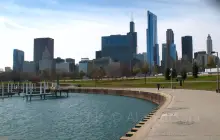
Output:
x=74 y=26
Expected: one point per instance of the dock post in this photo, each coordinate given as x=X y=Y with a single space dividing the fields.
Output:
x=26 y=94
x=8 y=88
x=60 y=93
x=11 y=87
x=40 y=91
x=3 y=91
x=23 y=87
x=44 y=87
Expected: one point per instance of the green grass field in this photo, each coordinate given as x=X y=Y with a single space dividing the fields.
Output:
x=200 y=84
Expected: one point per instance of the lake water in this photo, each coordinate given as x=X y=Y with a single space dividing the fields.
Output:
x=79 y=117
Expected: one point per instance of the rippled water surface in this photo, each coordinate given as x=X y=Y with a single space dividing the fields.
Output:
x=79 y=117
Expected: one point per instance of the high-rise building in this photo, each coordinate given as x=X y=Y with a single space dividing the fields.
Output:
x=151 y=37
x=156 y=55
x=98 y=54
x=120 y=47
x=173 y=52
x=187 y=48
x=39 y=47
x=169 y=42
x=18 y=60
x=209 y=44
x=132 y=38
x=164 y=52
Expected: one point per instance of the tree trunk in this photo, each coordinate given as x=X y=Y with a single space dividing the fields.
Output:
x=145 y=78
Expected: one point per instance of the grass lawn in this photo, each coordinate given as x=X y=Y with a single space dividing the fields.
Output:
x=149 y=84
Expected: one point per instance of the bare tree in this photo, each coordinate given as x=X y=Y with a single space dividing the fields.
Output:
x=145 y=70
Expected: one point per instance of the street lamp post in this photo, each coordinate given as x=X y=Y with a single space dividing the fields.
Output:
x=217 y=90
x=171 y=77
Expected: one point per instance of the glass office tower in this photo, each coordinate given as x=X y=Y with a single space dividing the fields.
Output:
x=173 y=51
x=18 y=60
x=187 y=48
x=151 y=37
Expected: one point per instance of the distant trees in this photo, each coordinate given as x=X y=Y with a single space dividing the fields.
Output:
x=174 y=73
x=156 y=69
x=183 y=74
x=81 y=74
x=136 y=70
x=145 y=70
x=167 y=74
x=211 y=62
x=97 y=74
x=195 y=70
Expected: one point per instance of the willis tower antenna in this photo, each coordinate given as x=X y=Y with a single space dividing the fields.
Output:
x=132 y=24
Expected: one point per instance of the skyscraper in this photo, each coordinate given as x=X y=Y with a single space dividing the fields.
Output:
x=18 y=60
x=209 y=44
x=132 y=37
x=40 y=45
x=173 y=52
x=120 y=47
x=156 y=55
x=98 y=54
x=151 y=37
x=169 y=41
x=187 y=48
x=164 y=52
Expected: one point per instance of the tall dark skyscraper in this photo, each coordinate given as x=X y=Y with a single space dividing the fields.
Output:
x=120 y=47
x=18 y=60
x=39 y=47
x=151 y=37
x=169 y=42
x=156 y=55
x=187 y=48
x=132 y=37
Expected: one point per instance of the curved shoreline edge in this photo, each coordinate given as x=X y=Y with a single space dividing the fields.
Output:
x=139 y=131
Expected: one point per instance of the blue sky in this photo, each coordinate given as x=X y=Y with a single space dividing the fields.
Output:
x=77 y=25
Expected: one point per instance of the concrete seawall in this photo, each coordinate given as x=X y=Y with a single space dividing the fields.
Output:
x=140 y=130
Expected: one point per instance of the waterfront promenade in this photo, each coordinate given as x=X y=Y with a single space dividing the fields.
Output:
x=187 y=115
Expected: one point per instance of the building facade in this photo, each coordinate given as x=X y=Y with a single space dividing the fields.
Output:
x=142 y=57
x=46 y=63
x=151 y=37
x=8 y=69
x=196 y=54
x=102 y=63
x=120 y=47
x=40 y=44
x=169 y=42
x=59 y=60
x=209 y=44
x=64 y=67
x=70 y=60
x=18 y=60
x=86 y=66
x=98 y=54
x=156 y=55
x=173 y=52
x=29 y=67
x=187 y=48
x=163 y=54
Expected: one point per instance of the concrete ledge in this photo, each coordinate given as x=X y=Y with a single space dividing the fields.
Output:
x=157 y=98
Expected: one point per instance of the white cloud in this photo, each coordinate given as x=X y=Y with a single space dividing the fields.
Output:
x=79 y=34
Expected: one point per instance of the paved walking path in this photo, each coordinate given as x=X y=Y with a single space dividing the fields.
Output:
x=188 y=115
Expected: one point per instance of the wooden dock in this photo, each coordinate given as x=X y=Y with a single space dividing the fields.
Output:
x=49 y=92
